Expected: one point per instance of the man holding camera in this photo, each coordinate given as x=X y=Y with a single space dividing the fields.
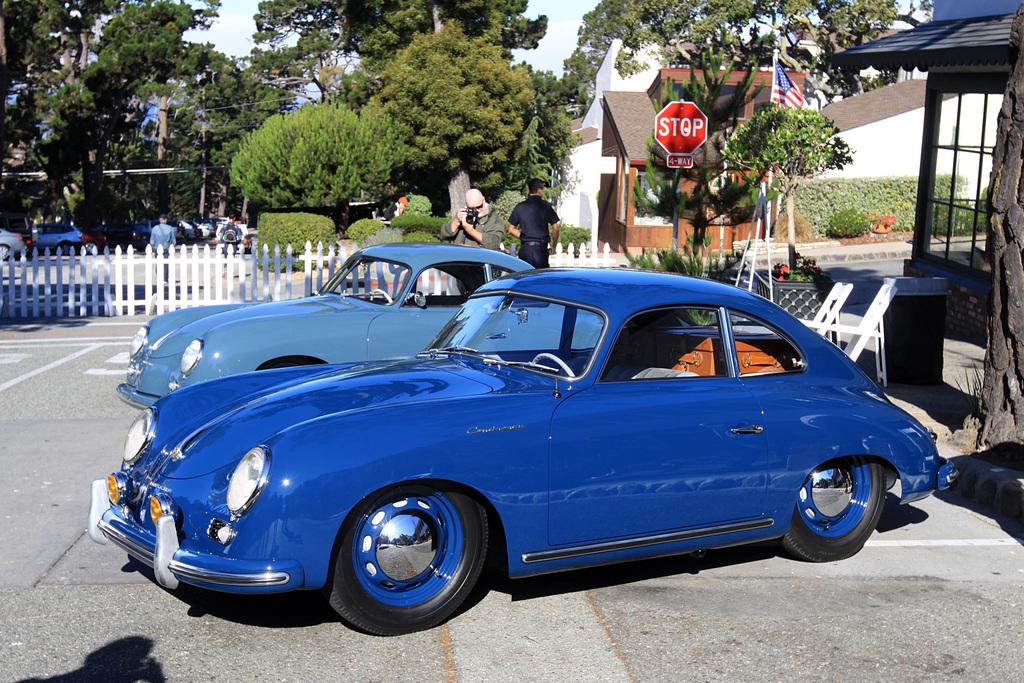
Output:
x=475 y=224
x=529 y=222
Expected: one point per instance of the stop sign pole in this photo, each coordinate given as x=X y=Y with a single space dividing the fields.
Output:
x=680 y=128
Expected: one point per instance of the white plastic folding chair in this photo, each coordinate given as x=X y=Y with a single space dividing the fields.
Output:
x=870 y=328
x=828 y=313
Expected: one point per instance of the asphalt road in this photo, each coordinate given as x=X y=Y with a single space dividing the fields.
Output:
x=937 y=594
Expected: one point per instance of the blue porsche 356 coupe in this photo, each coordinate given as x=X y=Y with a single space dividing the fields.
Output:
x=561 y=419
x=385 y=301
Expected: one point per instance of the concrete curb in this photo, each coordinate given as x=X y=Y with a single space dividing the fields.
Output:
x=991 y=485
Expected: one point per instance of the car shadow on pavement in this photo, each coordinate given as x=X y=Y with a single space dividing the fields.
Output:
x=296 y=609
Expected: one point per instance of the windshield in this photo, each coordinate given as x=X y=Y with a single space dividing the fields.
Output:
x=543 y=335
x=371 y=279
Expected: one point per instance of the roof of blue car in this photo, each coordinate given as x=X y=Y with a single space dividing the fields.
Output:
x=422 y=254
x=611 y=288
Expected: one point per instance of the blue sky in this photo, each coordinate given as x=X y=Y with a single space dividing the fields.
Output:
x=233 y=31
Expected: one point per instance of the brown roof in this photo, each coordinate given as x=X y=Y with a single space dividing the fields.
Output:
x=629 y=121
x=876 y=105
x=585 y=135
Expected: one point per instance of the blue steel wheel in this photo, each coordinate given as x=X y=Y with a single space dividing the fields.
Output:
x=837 y=509
x=408 y=557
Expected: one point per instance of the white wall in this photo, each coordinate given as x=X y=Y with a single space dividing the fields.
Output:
x=891 y=147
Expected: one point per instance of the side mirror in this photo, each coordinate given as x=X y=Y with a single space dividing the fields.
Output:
x=417 y=298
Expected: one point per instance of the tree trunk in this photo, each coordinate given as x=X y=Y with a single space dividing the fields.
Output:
x=1002 y=405
x=3 y=89
x=162 y=193
x=791 y=228
x=458 y=185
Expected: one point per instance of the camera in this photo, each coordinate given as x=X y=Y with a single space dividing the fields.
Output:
x=472 y=213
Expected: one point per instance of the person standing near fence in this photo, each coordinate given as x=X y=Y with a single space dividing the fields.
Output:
x=529 y=222
x=162 y=237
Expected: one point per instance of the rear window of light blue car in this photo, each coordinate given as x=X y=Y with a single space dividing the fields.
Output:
x=450 y=284
x=686 y=342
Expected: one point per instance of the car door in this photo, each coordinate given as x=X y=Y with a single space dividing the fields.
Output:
x=668 y=437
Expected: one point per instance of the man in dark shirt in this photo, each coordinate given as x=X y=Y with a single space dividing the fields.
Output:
x=529 y=222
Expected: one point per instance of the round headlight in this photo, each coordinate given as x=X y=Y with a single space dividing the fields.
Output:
x=191 y=357
x=139 y=341
x=248 y=480
x=139 y=435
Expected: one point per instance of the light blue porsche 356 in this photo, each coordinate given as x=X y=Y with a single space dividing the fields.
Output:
x=385 y=302
x=561 y=419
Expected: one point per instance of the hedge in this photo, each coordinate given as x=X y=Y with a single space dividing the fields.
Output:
x=820 y=198
x=427 y=224
x=295 y=229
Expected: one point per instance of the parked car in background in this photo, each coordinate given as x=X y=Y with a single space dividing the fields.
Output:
x=385 y=301
x=563 y=418
x=63 y=238
x=11 y=243
x=118 y=234
x=18 y=224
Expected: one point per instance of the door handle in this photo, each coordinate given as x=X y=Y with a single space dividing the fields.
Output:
x=755 y=429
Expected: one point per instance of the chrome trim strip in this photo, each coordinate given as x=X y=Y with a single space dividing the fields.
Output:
x=644 y=541
x=188 y=572
x=129 y=545
x=225 y=579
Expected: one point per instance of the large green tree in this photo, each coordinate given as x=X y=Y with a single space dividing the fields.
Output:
x=460 y=106
x=97 y=64
x=792 y=144
x=806 y=32
x=379 y=29
x=302 y=44
x=321 y=155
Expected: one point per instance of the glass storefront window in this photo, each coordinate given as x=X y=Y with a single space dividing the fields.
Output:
x=961 y=166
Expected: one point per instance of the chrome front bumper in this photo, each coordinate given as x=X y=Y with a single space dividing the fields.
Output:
x=948 y=474
x=134 y=397
x=170 y=563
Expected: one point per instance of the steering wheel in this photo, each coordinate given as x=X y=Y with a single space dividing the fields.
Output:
x=561 y=363
x=386 y=296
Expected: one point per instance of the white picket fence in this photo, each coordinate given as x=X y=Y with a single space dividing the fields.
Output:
x=130 y=283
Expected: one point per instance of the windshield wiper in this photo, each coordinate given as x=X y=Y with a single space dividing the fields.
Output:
x=449 y=350
x=521 y=364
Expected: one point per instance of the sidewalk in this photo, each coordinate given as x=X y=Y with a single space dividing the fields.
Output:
x=941 y=407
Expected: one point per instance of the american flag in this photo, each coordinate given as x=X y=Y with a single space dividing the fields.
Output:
x=784 y=91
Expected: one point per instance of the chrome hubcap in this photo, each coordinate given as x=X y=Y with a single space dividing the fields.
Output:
x=406 y=547
x=831 y=490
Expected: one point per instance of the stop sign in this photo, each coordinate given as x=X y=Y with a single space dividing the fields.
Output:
x=681 y=128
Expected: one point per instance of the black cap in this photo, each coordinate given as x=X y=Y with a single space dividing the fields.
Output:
x=163 y=216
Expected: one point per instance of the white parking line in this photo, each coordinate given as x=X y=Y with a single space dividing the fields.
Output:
x=37 y=371
x=9 y=358
x=66 y=341
x=946 y=543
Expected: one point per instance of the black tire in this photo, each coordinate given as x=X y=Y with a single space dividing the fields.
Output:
x=65 y=248
x=837 y=510
x=417 y=582
x=5 y=252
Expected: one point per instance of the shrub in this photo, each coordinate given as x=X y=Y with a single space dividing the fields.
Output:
x=804 y=228
x=362 y=229
x=507 y=201
x=819 y=198
x=295 y=229
x=382 y=236
x=848 y=222
x=418 y=206
x=420 y=236
x=427 y=224
x=569 y=234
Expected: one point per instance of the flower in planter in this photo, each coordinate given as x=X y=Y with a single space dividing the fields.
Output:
x=881 y=224
x=807 y=270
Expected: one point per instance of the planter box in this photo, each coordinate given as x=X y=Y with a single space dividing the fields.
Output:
x=802 y=299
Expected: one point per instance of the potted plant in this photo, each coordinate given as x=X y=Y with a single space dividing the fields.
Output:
x=881 y=225
x=801 y=289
